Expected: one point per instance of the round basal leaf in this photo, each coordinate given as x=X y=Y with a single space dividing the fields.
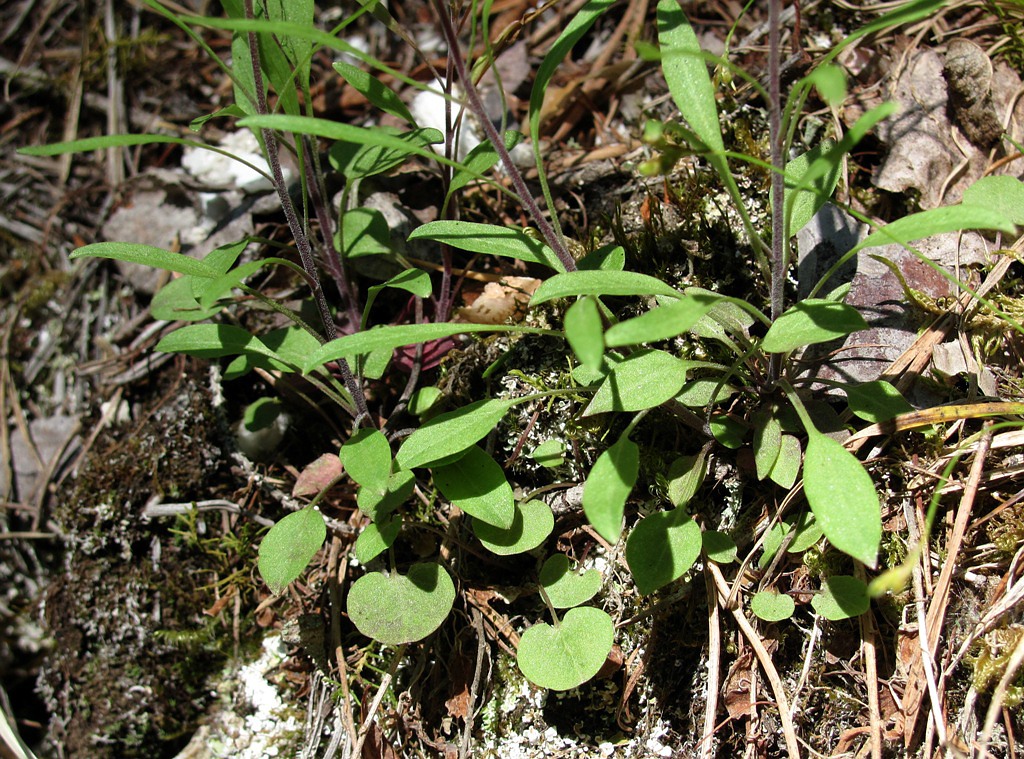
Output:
x=843 y=498
x=661 y=548
x=395 y=609
x=771 y=606
x=608 y=486
x=451 y=433
x=661 y=323
x=841 y=597
x=564 y=587
x=366 y=456
x=809 y=322
x=477 y=485
x=645 y=379
x=376 y=538
x=567 y=655
x=531 y=524
x=550 y=453
x=584 y=331
x=876 y=401
x=719 y=547
x=289 y=547
x=364 y=232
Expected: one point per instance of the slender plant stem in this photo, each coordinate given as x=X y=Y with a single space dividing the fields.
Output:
x=298 y=233
x=554 y=240
x=778 y=177
x=314 y=179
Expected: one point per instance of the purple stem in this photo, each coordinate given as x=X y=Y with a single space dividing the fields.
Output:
x=298 y=234
x=476 y=105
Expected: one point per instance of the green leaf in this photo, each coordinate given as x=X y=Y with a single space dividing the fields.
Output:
x=702 y=393
x=583 y=330
x=806 y=532
x=772 y=606
x=211 y=292
x=364 y=232
x=411 y=280
x=685 y=476
x=476 y=484
x=564 y=587
x=719 y=547
x=213 y=341
x=147 y=255
x=935 y=221
x=876 y=401
x=728 y=431
x=767 y=443
x=451 y=433
x=642 y=380
x=391 y=337
x=176 y=301
x=605 y=258
x=601 y=283
x=787 y=466
x=479 y=160
x=289 y=547
x=366 y=456
x=809 y=322
x=608 y=486
x=841 y=597
x=531 y=524
x=366 y=156
x=550 y=453
x=830 y=81
x=1002 y=193
x=662 y=548
x=843 y=498
x=490 y=239
x=394 y=609
x=377 y=500
x=378 y=93
x=686 y=73
x=810 y=180
x=426 y=402
x=663 y=322
x=567 y=655
x=376 y=538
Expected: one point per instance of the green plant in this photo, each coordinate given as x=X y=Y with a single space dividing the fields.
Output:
x=617 y=370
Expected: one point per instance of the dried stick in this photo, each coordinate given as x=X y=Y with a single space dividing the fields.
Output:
x=781 y=701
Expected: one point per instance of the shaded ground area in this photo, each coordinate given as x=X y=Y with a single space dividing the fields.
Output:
x=124 y=612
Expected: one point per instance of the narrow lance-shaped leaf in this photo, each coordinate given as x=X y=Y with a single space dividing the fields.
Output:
x=608 y=486
x=583 y=330
x=686 y=73
x=476 y=484
x=490 y=239
x=843 y=498
x=451 y=433
x=809 y=322
x=289 y=547
x=601 y=282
